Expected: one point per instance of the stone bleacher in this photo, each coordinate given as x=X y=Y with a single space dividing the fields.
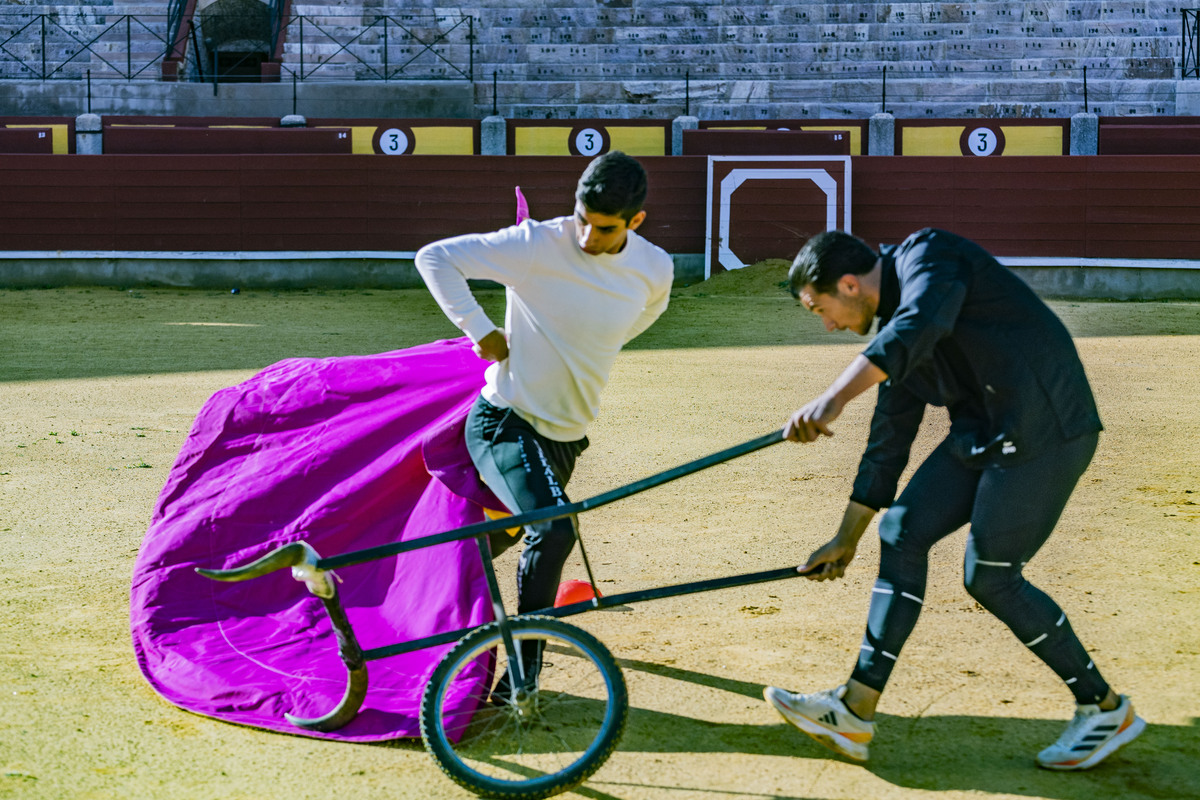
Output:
x=712 y=59
x=755 y=59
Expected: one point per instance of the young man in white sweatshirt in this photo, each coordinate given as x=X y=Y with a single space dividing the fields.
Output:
x=578 y=288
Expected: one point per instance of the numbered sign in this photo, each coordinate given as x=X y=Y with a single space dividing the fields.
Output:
x=588 y=141
x=394 y=142
x=982 y=141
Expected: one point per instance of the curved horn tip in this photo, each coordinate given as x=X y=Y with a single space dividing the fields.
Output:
x=288 y=555
x=346 y=709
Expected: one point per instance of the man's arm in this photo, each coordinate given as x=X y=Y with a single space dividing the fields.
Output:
x=813 y=419
x=652 y=311
x=445 y=267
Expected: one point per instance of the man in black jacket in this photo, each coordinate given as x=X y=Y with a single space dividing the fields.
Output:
x=956 y=329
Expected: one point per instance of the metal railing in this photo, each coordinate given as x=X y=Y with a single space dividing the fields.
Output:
x=52 y=46
x=371 y=46
x=1190 y=42
x=387 y=47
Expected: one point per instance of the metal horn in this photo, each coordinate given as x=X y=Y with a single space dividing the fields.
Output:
x=302 y=558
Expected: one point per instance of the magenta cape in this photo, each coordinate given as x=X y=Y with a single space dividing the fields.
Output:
x=344 y=453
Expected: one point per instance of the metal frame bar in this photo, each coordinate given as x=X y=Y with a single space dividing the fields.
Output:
x=1191 y=42
x=546 y=514
x=641 y=595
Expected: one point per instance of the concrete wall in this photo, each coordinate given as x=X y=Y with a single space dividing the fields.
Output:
x=401 y=100
x=227 y=271
x=1187 y=98
x=1100 y=282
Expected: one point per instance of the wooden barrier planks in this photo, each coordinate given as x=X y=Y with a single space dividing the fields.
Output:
x=1124 y=207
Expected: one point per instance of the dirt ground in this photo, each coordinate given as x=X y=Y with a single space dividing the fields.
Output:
x=100 y=386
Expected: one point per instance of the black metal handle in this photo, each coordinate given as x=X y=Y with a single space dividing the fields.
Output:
x=557 y=512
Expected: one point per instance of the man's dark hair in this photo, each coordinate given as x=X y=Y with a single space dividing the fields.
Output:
x=825 y=258
x=613 y=184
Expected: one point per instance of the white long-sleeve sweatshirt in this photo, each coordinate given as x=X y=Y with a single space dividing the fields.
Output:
x=568 y=313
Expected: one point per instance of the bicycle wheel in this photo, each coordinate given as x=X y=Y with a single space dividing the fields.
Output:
x=543 y=741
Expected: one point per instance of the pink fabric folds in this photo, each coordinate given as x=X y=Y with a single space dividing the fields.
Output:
x=344 y=453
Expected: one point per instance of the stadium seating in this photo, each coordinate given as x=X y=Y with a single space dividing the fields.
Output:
x=806 y=60
x=626 y=59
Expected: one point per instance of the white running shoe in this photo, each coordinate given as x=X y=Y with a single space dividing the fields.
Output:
x=824 y=717
x=1092 y=736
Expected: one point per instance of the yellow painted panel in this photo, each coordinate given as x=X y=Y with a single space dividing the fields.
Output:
x=362 y=139
x=457 y=140
x=549 y=141
x=1032 y=140
x=58 y=137
x=941 y=141
x=637 y=141
x=855 y=135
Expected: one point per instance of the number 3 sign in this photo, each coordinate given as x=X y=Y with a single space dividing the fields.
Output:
x=395 y=142
x=588 y=141
x=982 y=141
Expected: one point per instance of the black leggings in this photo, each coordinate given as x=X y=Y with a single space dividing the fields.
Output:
x=526 y=471
x=1012 y=511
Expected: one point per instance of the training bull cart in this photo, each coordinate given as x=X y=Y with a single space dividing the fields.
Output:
x=558 y=726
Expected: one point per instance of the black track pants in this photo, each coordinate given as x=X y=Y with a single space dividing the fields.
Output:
x=526 y=471
x=1012 y=511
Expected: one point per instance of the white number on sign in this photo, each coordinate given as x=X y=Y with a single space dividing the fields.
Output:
x=589 y=142
x=982 y=142
x=393 y=142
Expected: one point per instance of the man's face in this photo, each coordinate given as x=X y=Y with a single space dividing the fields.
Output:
x=848 y=308
x=598 y=233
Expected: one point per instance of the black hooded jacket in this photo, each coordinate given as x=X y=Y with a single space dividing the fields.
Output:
x=958 y=329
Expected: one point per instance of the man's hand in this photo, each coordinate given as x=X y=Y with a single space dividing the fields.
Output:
x=811 y=421
x=493 y=347
x=829 y=561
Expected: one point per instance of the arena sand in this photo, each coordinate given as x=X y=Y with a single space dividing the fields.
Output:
x=100 y=387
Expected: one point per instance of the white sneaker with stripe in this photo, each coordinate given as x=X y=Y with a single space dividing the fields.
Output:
x=824 y=717
x=1092 y=736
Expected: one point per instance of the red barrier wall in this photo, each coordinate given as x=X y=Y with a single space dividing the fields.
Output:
x=1149 y=139
x=26 y=140
x=1101 y=206
x=1068 y=206
x=137 y=140
x=710 y=142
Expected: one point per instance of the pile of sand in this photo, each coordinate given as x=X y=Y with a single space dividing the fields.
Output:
x=767 y=277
